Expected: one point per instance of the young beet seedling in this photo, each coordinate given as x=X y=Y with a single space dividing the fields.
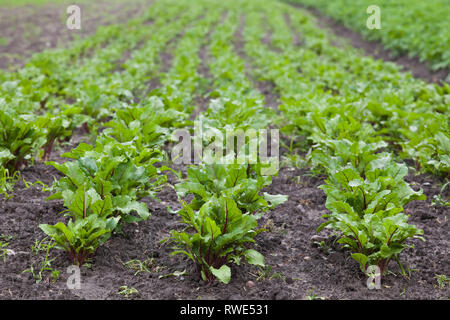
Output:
x=91 y=227
x=219 y=234
x=221 y=220
x=367 y=209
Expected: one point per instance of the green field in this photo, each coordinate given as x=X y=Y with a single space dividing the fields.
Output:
x=413 y=27
x=361 y=124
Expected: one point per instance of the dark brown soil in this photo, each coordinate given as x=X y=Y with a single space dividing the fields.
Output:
x=265 y=87
x=166 y=59
x=202 y=99
x=30 y=29
x=296 y=37
x=376 y=49
x=239 y=41
x=300 y=268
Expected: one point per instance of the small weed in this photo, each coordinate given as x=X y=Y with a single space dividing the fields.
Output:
x=3 y=250
x=438 y=200
x=4 y=242
x=313 y=296
x=268 y=274
x=125 y=291
x=39 y=246
x=147 y=265
x=46 y=264
x=7 y=182
x=442 y=281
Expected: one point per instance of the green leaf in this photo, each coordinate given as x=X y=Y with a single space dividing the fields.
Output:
x=362 y=260
x=133 y=206
x=275 y=200
x=254 y=257
x=223 y=274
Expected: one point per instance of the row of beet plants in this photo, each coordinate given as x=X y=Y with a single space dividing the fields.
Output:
x=221 y=220
x=59 y=91
x=103 y=184
x=366 y=191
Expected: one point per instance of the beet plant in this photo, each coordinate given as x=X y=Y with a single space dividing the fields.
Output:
x=222 y=218
x=147 y=125
x=90 y=225
x=242 y=183
x=217 y=235
x=367 y=209
x=113 y=169
x=100 y=189
x=20 y=138
x=59 y=127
